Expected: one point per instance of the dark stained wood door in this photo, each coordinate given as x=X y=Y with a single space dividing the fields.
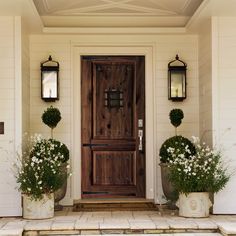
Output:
x=113 y=126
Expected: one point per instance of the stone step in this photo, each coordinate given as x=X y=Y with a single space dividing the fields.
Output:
x=120 y=222
x=113 y=200
x=11 y=232
x=228 y=228
x=120 y=232
x=126 y=204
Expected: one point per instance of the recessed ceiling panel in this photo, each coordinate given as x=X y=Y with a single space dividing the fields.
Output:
x=128 y=8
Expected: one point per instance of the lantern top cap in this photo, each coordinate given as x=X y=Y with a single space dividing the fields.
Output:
x=49 y=60
x=177 y=59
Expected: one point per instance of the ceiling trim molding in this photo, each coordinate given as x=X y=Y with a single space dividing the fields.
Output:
x=114 y=30
x=198 y=15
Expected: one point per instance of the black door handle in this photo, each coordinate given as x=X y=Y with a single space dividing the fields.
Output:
x=95 y=145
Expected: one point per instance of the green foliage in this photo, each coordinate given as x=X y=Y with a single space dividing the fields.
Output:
x=40 y=171
x=51 y=117
x=61 y=148
x=202 y=172
x=179 y=143
x=176 y=116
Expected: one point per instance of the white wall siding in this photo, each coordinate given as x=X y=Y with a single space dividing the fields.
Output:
x=10 y=203
x=225 y=125
x=205 y=83
x=40 y=49
x=25 y=81
x=166 y=47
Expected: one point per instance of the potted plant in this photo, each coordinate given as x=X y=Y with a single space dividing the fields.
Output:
x=39 y=175
x=195 y=177
x=179 y=142
x=51 y=117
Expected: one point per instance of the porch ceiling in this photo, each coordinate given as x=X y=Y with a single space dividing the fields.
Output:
x=116 y=13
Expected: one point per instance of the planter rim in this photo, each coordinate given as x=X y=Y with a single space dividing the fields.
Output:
x=193 y=192
x=163 y=164
x=25 y=194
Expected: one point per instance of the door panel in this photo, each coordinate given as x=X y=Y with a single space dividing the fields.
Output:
x=113 y=160
x=114 y=121
x=114 y=168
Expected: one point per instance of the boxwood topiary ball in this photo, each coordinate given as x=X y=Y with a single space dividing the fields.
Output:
x=176 y=116
x=61 y=148
x=177 y=142
x=51 y=117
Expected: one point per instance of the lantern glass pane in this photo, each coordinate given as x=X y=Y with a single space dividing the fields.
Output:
x=177 y=84
x=49 y=84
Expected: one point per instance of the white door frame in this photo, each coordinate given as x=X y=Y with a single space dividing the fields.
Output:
x=147 y=50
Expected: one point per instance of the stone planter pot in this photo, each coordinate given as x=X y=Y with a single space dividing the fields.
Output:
x=38 y=209
x=195 y=204
x=61 y=192
x=168 y=190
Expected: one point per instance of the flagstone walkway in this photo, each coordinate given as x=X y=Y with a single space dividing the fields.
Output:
x=119 y=222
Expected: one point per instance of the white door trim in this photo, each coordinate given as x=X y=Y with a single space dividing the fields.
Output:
x=147 y=50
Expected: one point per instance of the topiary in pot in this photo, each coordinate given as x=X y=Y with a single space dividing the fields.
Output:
x=179 y=143
x=51 y=117
x=176 y=116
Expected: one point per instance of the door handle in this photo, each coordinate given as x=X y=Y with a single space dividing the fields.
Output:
x=140 y=135
x=95 y=145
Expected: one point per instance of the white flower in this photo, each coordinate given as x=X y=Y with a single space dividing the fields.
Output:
x=195 y=139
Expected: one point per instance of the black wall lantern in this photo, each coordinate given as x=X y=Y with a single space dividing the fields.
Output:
x=177 y=80
x=50 y=80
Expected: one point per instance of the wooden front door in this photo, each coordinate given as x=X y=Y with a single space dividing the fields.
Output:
x=113 y=126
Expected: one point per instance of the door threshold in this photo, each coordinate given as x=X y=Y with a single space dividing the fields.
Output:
x=114 y=204
x=112 y=200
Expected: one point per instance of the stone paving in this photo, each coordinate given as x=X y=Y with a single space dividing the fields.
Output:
x=120 y=222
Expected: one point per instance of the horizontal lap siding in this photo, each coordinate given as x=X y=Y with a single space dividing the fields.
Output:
x=60 y=51
x=205 y=83
x=25 y=82
x=167 y=48
x=226 y=116
x=9 y=196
